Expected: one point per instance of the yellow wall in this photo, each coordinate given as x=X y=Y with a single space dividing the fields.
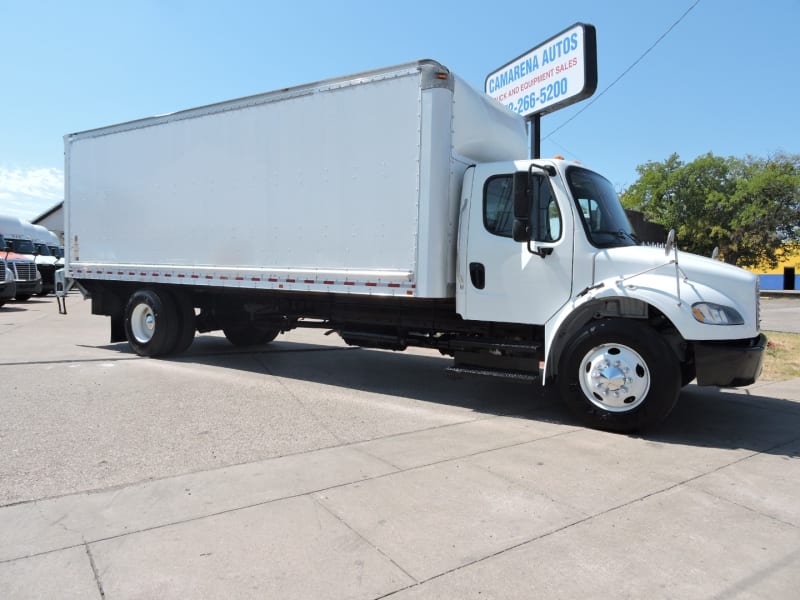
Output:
x=790 y=258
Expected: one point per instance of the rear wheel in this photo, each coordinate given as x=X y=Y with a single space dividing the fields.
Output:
x=619 y=375
x=151 y=322
x=186 y=323
x=248 y=334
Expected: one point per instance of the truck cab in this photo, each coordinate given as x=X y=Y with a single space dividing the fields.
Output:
x=547 y=242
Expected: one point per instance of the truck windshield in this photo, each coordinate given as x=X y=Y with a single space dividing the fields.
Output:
x=21 y=246
x=43 y=250
x=604 y=219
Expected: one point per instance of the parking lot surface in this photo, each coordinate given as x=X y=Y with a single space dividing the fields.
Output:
x=309 y=469
x=780 y=311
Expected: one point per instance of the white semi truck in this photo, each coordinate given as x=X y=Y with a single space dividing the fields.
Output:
x=18 y=252
x=394 y=208
x=8 y=285
x=46 y=260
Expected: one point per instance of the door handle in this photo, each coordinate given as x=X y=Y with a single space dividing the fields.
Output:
x=477 y=273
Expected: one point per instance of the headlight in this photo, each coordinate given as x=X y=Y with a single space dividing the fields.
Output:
x=715 y=314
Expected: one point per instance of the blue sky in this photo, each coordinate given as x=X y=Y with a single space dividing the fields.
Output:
x=724 y=80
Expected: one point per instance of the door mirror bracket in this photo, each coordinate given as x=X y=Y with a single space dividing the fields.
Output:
x=540 y=252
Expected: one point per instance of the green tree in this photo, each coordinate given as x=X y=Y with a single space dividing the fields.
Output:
x=747 y=207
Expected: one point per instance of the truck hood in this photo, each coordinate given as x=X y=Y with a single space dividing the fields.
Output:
x=627 y=261
x=15 y=256
x=650 y=275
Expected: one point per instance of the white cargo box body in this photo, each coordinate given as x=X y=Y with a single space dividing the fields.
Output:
x=349 y=186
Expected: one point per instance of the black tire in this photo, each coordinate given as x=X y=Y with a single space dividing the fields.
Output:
x=688 y=373
x=22 y=297
x=151 y=322
x=247 y=334
x=619 y=375
x=186 y=323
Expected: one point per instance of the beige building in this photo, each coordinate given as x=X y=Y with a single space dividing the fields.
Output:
x=53 y=220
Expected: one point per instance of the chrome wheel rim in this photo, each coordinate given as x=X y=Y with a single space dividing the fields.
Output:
x=143 y=323
x=614 y=377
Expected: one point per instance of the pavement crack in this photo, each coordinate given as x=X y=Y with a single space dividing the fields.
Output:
x=300 y=402
x=95 y=572
x=360 y=536
x=59 y=522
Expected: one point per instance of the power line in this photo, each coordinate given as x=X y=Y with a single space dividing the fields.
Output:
x=626 y=71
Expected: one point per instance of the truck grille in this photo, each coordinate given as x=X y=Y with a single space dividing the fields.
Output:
x=26 y=271
x=758 y=303
x=2 y=271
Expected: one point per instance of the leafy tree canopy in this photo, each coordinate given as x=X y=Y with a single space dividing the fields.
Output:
x=747 y=207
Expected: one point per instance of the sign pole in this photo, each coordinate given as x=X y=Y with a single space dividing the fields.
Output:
x=536 y=136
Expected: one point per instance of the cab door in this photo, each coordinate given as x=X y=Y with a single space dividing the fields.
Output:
x=500 y=279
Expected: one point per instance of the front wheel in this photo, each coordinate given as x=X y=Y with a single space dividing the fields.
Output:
x=619 y=375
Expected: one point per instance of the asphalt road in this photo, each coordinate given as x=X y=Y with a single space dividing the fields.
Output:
x=308 y=469
x=781 y=313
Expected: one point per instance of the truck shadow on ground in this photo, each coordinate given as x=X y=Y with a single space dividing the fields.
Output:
x=23 y=305
x=703 y=417
x=11 y=308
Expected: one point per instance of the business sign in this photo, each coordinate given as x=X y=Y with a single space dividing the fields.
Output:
x=559 y=72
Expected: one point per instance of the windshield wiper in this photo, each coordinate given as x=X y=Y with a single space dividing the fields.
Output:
x=634 y=238
x=620 y=234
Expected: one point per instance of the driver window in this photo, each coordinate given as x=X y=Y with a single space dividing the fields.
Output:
x=498 y=206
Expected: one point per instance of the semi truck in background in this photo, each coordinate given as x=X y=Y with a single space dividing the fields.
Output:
x=8 y=287
x=56 y=249
x=44 y=255
x=395 y=207
x=18 y=252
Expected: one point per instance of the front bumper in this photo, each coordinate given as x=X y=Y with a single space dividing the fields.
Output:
x=29 y=287
x=8 y=289
x=47 y=273
x=729 y=364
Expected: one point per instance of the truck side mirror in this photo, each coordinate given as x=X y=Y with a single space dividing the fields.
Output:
x=522 y=195
x=522 y=229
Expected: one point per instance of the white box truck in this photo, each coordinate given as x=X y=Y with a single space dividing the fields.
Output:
x=395 y=208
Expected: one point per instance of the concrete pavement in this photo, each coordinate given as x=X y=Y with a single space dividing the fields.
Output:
x=309 y=470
